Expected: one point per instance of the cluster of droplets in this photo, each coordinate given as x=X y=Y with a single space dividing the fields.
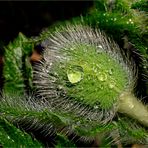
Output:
x=130 y=21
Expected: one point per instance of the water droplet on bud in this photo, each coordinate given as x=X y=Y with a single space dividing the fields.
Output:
x=81 y=99
x=112 y=84
x=102 y=77
x=96 y=107
x=60 y=87
x=100 y=46
x=75 y=74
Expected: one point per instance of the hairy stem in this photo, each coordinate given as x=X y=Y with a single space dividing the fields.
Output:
x=130 y=105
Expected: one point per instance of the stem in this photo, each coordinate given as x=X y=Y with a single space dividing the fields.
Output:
x=130 y=105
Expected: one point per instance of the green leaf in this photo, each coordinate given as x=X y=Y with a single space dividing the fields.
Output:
x=10 y=136
x=14 y=64
x=62 y=141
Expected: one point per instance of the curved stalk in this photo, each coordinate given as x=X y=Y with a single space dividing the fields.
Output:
x=130 y=105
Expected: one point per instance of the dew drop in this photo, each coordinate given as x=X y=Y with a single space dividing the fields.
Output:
x=53 y=79
x=55 y=73
x=75 y=74
x=102 y=77
x=144 y=67
x=60 y=87
x=111 y=85
x=100 y=46
x=130 y=20
x=96 y=107
x=50 y=64
x=81 y=99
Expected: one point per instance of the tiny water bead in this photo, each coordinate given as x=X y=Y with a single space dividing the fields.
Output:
x=96 y=107
x=102 y=76
x=112 y=84
x=75 y=74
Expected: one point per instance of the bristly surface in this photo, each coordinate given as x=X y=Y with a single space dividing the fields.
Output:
x=36 y=116
x=83 y=73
